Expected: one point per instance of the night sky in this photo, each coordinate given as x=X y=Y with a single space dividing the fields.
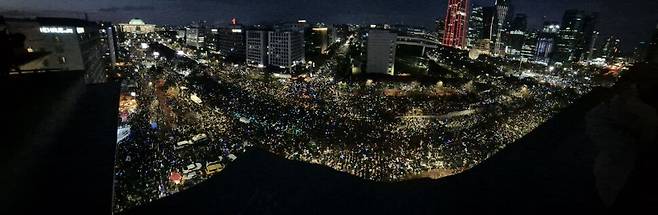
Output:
x=632 y=20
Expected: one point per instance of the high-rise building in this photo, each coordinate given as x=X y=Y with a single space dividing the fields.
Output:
x=192 y=36
x=440 y=28
x=231 y=43
x=489 y=15
x=285 y=48
x=63 y=45
x=529 y=46
x=109 y=42
x=520 y=22
x=611 y=48
x=456 y=25
x=319 y=40
x=502 y=8
x=652 y=48
x=256 y=47
x=212 y=41
x=577 y=37
x=475 y=26
x=516 y=35
x=381 y=52
x=546 y=42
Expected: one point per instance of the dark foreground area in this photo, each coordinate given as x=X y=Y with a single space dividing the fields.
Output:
x=58 y=145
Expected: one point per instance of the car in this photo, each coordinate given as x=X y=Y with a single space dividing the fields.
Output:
x=192 y=167
x=214 y=167
x=183 y=144
x=199 y=137
x=189 y=175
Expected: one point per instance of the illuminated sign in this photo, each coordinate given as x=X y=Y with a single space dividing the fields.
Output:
x=56 y=30
x=61 y=30
x=236 y=30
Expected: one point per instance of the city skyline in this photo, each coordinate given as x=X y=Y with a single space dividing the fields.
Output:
x=632 y=28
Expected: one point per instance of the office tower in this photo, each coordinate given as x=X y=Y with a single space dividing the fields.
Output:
x=192 y=36
x=652 y=48
x=109 y=42
x=489 y=16
x=381 y=52
x=285 y=48
x=502 y=8
x=440 y=28
x=475 y=26
x=520 y=22
x=319 y=40
x=256 y=48
x=529 y=46
x=546 y=42
x=63 y=45
x=611 y=48
x=456 y=24
x=136 y=26
x=212 y=41
x=180 y=35
x=231 y=43
x=515 y=37
x=577 y=37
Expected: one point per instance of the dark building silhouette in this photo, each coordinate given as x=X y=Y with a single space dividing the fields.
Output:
x=476 y=26
x=610 y=48
x=577 y=37
x=652 y=48
x=231 y=43
x=546 y=42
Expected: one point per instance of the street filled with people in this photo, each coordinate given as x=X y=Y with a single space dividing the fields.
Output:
x=192 y=119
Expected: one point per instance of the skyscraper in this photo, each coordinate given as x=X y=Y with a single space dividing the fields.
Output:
x=577 y=36
x=109 y=42
x=456 y=24
x=285 y=48
x=610 y=48
x=652 y=48
x=319 y=40
x=546 y=42
x=381 y=52
x=475 y=26
x=256 y=45
x=502 y=8
x=529 y=45
x=515 y=37
x=440 y=28
x=231 y=43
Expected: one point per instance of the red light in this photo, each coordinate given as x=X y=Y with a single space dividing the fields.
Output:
x=456 y=24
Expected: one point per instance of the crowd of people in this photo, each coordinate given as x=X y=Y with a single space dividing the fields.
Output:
x=357 y=127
